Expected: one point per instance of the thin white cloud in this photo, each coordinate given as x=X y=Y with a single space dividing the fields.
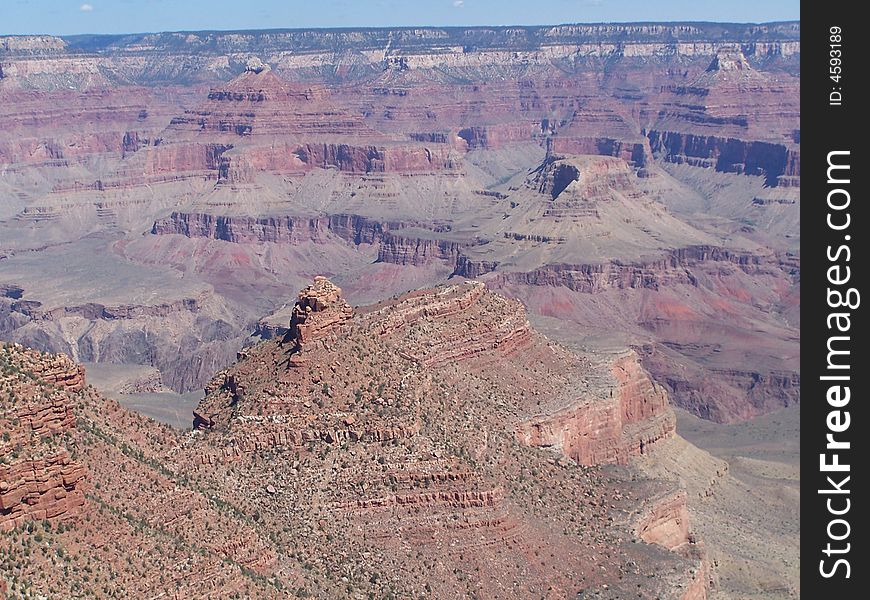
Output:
x=458 y=3
x=86 y=7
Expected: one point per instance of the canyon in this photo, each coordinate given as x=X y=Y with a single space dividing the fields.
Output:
x=629 y=191
x=390 y=424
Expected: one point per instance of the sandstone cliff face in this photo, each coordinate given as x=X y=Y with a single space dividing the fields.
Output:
x=47 y=488
x=399 y=242
x=38 y=478
x=290 y=230
x=352 y=228
x=775 y=162
x=628 y=421
x=374 y=159
x=665 y=521
x=402 y=249
x=247 y=159
x=395 y=244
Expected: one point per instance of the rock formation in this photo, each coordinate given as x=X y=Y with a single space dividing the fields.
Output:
x=628 y=421
x=38 y=478
x=399 y=426
x=433 y=382
x=319 y=310
x=93 y=482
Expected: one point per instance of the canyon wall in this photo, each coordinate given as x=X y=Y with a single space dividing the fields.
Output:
x=777 y=163
x=38 y=60
x=633 y=415
x=654 y=274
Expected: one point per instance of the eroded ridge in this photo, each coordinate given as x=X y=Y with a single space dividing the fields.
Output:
x=419 y=421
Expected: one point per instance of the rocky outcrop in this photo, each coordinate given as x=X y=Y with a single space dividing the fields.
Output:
x=473 y=268
x=47 y=488
x=258 y=435
x=557 y=178
x=320 y=310
x=455 y=499
x=38 y=478
x=444 y=302
x=56 y=369
x=67 y=128
x=590 y=180
x=399 y=424
x=633 y=415
x=493 y=324
x=665 y=522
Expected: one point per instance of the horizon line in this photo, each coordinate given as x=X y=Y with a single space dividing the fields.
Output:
x=377 y=28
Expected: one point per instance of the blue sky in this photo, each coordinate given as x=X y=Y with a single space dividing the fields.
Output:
x=65 y=17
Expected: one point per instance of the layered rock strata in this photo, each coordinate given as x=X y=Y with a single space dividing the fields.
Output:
x=632 y=417
x=414 y=402
x=319 y=311
x=38 y=478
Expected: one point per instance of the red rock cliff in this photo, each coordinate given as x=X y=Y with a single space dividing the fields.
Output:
x=628 y=420
x=38 y=478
